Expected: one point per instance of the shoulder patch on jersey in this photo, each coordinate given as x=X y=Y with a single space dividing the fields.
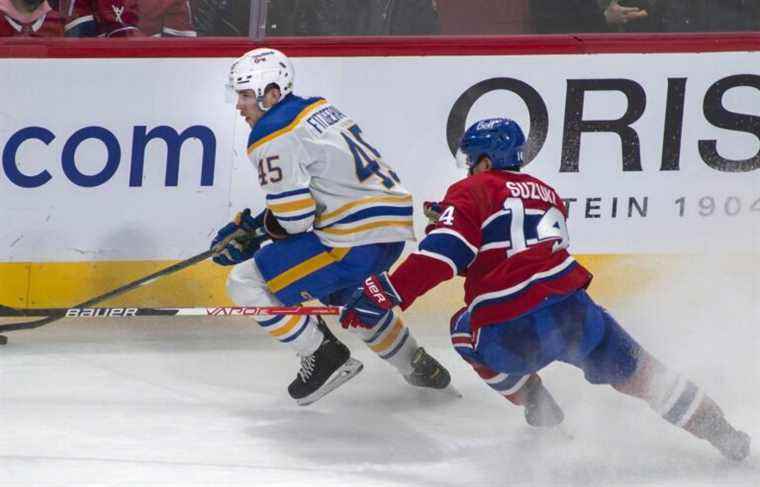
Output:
x=281 y=119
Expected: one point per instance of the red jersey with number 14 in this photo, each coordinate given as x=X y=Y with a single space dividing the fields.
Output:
x=506 y=232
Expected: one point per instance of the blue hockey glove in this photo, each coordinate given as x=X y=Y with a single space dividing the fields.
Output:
x=239 y=240
x=370 y=303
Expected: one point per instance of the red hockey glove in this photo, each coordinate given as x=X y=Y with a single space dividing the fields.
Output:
x=370 y=303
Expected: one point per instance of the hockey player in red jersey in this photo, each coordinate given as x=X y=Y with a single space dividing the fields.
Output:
x=166 y=18
x=506 y=232
x=29 y=18
x=100 y=18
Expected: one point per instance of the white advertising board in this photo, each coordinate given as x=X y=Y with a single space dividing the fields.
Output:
x=142 y=159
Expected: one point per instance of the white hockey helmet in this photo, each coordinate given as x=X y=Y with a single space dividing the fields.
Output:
x=258 y=69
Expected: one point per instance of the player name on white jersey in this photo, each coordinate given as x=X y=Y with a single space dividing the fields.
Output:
x=317 y=168
x=325 y=118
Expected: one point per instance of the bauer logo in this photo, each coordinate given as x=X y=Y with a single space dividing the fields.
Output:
x=103 y=312
x=49 y=148
x=713 y=152
x=374 y=291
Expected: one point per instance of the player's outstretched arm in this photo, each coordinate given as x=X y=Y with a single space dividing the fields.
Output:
x=418 y=274
x=370 y=303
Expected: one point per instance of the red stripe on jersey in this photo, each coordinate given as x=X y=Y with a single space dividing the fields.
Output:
x=531 y=298
x=484 y=372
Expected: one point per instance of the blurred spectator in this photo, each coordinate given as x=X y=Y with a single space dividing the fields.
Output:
x=165 y=18
x=29 y=18
x=311 y=18
x=484 y=17
x=100 y=18
x=351 y=17
x=403 y=18
x=688 y=15
x=222 y=17
x=619 y=16
x=567 y=16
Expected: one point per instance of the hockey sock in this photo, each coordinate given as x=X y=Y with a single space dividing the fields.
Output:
x=707 y=421
x=392 y=341
x=541 y=410
x=671 y=395
x=299 y=332
x=682 y=403
x=689 y=408
x=508 y=385
x=678 y=402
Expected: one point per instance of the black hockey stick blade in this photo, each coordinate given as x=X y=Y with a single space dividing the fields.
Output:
x=8 y=312
x=110 y=294
x=115 y=312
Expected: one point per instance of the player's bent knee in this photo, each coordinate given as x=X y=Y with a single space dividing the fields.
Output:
x=247 y=287
x=641 y=383
x=461 y=335
x=616 y=359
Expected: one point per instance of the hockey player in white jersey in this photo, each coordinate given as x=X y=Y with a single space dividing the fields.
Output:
x=335 y=213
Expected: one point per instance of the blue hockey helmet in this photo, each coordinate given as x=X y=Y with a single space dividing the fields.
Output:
x=499 y=139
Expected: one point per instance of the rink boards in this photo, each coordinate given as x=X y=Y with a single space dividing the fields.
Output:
x=112 y=168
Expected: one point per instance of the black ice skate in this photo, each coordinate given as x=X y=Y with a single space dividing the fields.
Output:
x=427 y=371
x=710 y=424
x=541 y=410
x=732 y=443
x=329 y=367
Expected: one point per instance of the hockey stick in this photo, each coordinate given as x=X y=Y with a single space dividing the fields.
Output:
x=126 y=312
x=240 y=234
x=49 y=318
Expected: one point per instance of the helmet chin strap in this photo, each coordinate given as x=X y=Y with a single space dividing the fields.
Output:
x=260 y=102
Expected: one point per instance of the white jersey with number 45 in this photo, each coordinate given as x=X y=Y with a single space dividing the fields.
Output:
x=317 y=170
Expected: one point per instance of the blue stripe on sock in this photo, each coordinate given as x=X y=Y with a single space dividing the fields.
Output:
x=682 y=404
x=397 y=347
x=388 y=321
x=295 y=335
x=270 y=322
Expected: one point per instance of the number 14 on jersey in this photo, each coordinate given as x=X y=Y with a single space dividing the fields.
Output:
x=526 y=228
x=532 y=227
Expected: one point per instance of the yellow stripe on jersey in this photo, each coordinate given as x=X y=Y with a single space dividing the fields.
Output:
x=305 y=268
x=292 y=206
x=289 y=128
x=366 y=227
x=374 y=199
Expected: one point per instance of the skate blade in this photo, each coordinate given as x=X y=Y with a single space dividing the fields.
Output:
x=559 y=430
x=342 y=375
x=565 y=432
x=557 y=434
x=452 y=391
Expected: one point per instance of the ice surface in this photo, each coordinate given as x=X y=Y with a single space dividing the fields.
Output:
x=189 y=402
